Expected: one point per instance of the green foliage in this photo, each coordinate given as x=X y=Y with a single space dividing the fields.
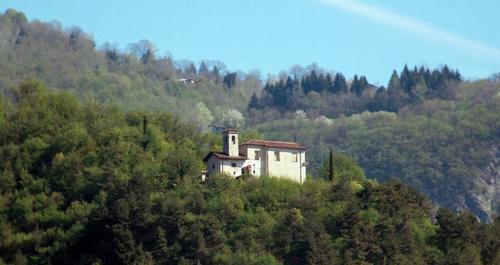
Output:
x=440 y=147
x=86 y=190
x=103 y=187
x=83 y=182
x=66 y=59
x=344 y=168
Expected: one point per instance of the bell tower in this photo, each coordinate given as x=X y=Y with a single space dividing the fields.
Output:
x=230 y=142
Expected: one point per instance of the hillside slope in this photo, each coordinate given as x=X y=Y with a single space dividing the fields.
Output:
x=89 y=184
x=429 y=128
x=135 y=79
x=447 y=149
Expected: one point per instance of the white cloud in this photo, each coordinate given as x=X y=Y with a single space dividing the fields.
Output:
x=409 y=24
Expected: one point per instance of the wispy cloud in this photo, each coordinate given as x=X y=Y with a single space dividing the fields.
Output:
x=408 y=24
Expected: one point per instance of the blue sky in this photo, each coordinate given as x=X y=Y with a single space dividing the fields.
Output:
x=366 y=37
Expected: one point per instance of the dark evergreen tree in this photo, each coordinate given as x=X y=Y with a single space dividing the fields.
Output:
x=191 y=69
x=355 y=86
x=254 y=102
x=339 y=84
x=394 y=82
x=230 y=79
x=363 y=83
x=203 y=69
x=216 y=74
x=331 y=173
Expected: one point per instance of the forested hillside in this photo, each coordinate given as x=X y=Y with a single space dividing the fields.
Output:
x=84 y=183
x=135 y=78
x=448 y=149
x=429 y=128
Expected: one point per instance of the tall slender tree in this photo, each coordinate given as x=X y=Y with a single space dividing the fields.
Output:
x=331 y=173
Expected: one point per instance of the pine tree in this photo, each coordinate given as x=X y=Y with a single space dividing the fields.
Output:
x=161 y=251
x=254 y=102
x=355 y=86
x=215 y=73
x=339 y=84
x=229 y=80
x=203 y=69
x=363 y=83
x=191 y=69
x=313 y=81
x=394 y=82
x=406 y=80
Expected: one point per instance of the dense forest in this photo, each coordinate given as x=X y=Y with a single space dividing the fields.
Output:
x=446 y=148
x=324 y=94
x=86 y=183
x=101 y=148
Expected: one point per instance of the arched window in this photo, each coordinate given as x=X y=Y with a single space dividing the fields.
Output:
x=233 y=139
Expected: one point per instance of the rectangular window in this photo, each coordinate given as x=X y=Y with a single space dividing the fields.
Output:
x=295 y=157
x=233 y=164
x=257 y=155
x=276 y=156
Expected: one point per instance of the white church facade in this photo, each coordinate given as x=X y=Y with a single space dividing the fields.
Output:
x=258 y=157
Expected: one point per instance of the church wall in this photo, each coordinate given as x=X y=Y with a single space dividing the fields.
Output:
x=289 y=165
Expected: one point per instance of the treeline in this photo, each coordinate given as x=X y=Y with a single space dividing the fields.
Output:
x=318 y=92
x=411 y=87
x=138 y=77
x=83 y=183
x=134 y=77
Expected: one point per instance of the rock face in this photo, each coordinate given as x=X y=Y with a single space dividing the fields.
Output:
x=484 y=198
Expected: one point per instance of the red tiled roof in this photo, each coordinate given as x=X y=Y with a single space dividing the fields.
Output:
x=223 y=156
x=277 y=144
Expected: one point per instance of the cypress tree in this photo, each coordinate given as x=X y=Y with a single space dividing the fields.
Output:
x=144 y=132
x=331 y=173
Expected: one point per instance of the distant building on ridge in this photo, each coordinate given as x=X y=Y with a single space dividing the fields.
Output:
x=258 y=157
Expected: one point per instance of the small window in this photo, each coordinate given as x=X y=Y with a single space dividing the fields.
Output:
x=213 y=166
x=257 y=155
x=254 y=171
x=233 y=139
x=233 y=164
x=276 y=156
x=295 y=157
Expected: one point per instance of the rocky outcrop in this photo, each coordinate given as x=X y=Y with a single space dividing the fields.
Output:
x=484 y=198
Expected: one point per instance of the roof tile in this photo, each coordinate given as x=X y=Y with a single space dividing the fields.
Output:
x=222 y=156
x=277 y=144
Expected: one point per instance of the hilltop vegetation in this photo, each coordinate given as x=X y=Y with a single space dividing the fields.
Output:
x=83 y=183
x=429 y=127
x=137 y=78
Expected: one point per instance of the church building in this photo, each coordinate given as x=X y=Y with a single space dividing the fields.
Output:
x=258 y=157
